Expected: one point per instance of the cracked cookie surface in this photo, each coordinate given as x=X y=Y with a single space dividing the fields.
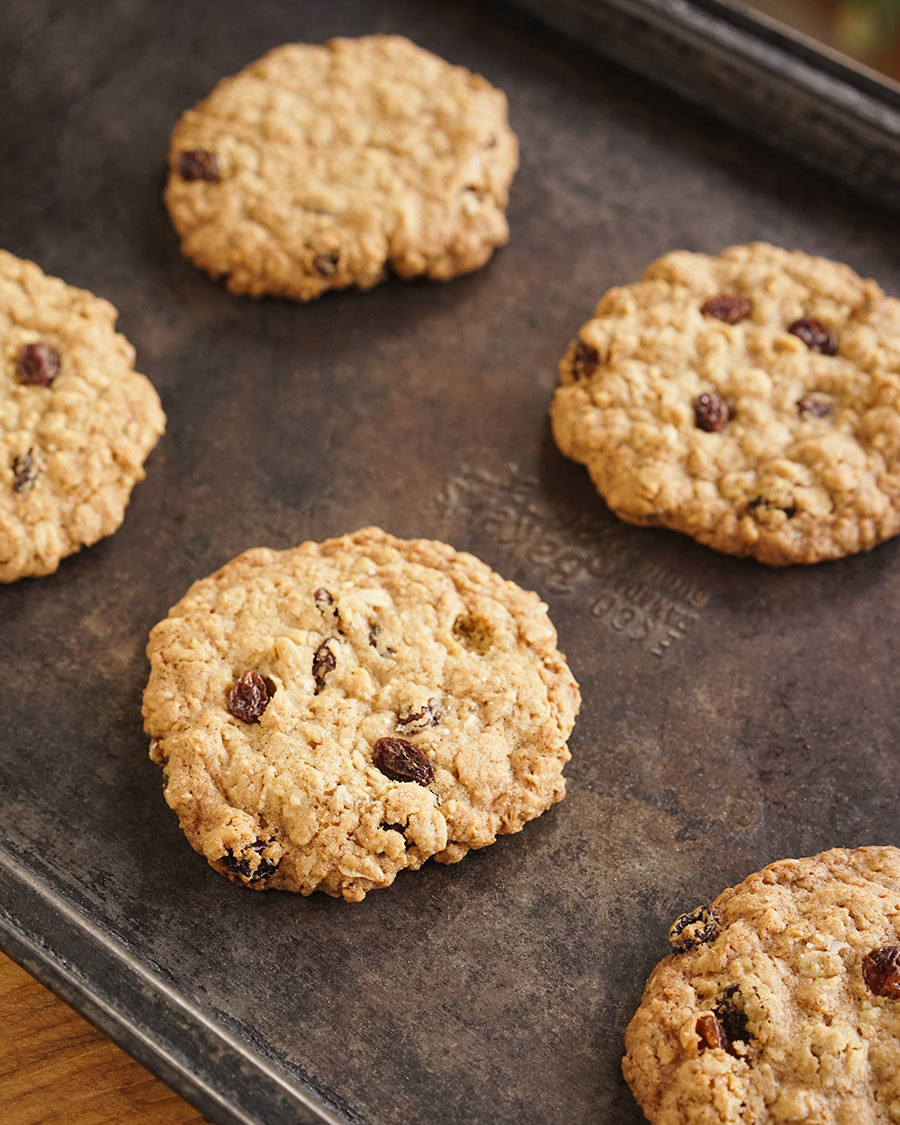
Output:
x=782 y=1003
x=321 y=167
x=331 y=714
x=750 y=400
x=76 y=420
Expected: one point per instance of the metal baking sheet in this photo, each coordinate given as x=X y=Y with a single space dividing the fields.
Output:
x=732 y=714
x=754 y=73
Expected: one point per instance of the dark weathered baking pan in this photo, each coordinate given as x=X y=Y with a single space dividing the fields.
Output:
x=732 y=714
x=758 y=75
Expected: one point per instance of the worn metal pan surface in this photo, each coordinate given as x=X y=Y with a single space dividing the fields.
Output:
x=732 y=714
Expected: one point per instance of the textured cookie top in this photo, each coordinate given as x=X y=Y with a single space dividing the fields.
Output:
x=318 y=167
x=783 y=1004
x=76 y=420
x=331 y=714
x=749 y=400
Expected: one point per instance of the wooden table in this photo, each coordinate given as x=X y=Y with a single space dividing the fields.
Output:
x=55 y=1069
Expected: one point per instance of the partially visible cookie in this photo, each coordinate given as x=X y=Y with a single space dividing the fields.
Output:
x=780 y=1002
x=331 y=714
x=321 y=167
x=76 y=420
x=750 y=400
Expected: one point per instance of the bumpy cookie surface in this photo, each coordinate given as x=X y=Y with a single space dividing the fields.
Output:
x=320 y=167
x=751 y=400
x=781 y=1002
x=331 y=714
x=76 y=420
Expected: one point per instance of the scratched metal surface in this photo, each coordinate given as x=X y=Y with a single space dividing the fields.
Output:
x=732 y=714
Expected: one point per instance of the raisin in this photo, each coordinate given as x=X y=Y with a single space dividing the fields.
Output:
x=428 y=715
x=726 y=1025
x=374 y=634
x=711 y=412
x=767 y=506
x=322 y=598
x=732 y=1018
x=585 y=360
x=696 y=928
x=242 y=864
x=37 y=364
x=732 y=308
x=249 y=696
x=817 y=336
x=24 y=472
x=323 y=663
x=198 y=164
x=401 y=761
x=712 y=1034
x=815 y=407
x=881 y=971
x=385 y=827
x=327 y=264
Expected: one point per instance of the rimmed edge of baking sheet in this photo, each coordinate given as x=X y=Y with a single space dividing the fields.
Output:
x=45 y=933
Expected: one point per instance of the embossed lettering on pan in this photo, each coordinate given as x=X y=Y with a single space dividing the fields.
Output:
x=641 y=600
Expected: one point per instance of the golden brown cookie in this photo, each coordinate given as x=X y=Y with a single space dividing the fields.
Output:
x=321 y=167
x=331 y=714
x=781 y=1001
x=750 y=400
x=76 y=420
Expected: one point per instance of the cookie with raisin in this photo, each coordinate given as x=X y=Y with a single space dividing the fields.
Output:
x=329 y=715
x=780 y=1001
x=77 y=421
x=323 y=167
x=750 y=400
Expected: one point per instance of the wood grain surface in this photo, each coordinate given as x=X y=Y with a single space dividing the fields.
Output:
x=56 y=1068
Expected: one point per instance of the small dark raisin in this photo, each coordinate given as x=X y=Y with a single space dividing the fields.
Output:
x=401 y=761
x=242 y=864
x=37 y=364
x=198 y=164
x=323 y=663
x=373 y=635
x=712 y=1034
x=249 y=696
x=585 y=360
x=732 y=308
x=759 y=507
x=428 y=715
x=732 y=1018
x=391 y=827
x=815 y=407
x=817 y=336
x=696 y=928
x=327 y=264
x=24 y=472
x=322 y=598
x=711 y=412
x=881 y=971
